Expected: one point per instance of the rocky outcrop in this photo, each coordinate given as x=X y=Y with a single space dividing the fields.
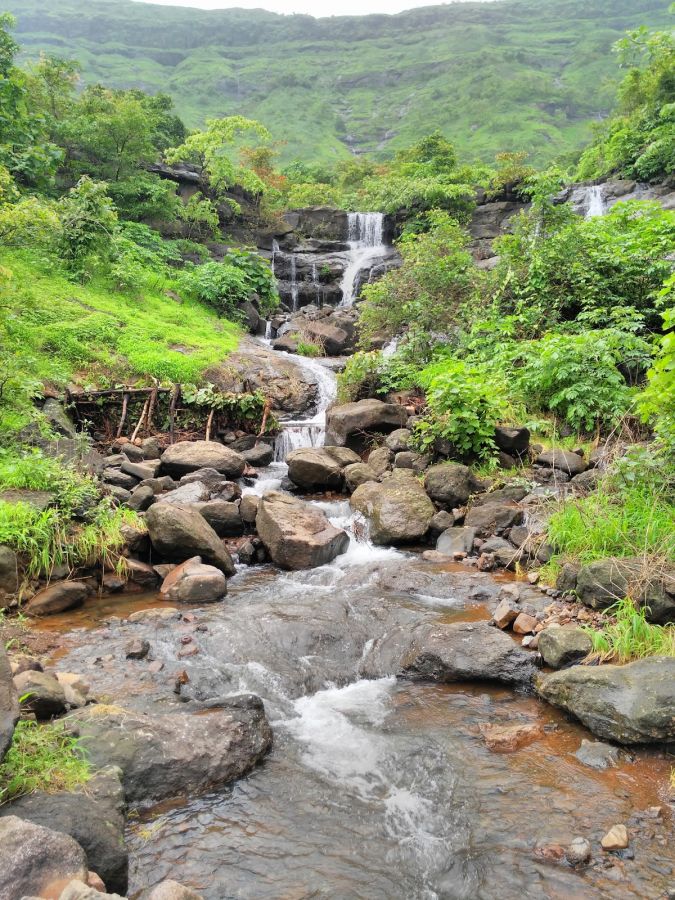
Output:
x=398 y=509
x=193 y=582
x=296 y=534
x=188 y=456
x=179 y=533
x=362 y=416
x=602 y=583
x=631 y=704
x=9 y=706
x=314 y=467
x=166 y=756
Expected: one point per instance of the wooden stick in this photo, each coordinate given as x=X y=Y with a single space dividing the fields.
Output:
x=140 y=421
x=266 y=412
x=209 y=423
x=125 y=405
x=175 y=394
x=151 y=408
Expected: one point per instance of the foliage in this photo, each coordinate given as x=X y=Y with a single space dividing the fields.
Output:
x=144 y=195
x=305 y=348
x=32 y=221
x=88 y=226
x=42 y=757
x=200 y=218
x=244 y=410
x=629 y=636
x=226 y=285
x=657 y=402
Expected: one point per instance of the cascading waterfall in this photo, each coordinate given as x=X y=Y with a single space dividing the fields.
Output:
x=294 y=283
x=365 y=235
x=315 y=282
x=309 y=432
x=596 y=205
x=275 y=251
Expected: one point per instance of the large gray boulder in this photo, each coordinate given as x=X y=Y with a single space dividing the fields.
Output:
x=37 y=861
x=603 y=582
x=222 y=516
x=179 y=533
x=449 y=484
x=56 y=598
x=193 y=582
x=362 y=416
x=296 y=534
x=631 y=704
x=188 y=456
x=398 y=509
x=563 y=460
x=166 y=756
x=562 y=647
x=313 y=467
x=9 y=706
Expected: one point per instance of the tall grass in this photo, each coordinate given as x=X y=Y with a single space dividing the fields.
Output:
x=630 y=636
x=41 y=758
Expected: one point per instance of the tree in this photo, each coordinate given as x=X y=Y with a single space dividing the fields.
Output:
x=89 y=225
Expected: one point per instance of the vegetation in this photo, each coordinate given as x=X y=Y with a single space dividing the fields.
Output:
x=628 y=635
x=42 y=758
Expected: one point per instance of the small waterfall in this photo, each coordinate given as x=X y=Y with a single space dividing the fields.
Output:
x=294 y=283
x=595 y=204
x=317 y=285
x=390 y=348
x=309 y=432
x=365 y=234
x=268 y=330
x=275 y=251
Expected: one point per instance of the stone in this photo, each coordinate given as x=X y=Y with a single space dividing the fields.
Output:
x=406 y=459
x=357 y=474
x=616 y=838
x=120 y=479
x=144 y=470
x=259 y=456
x=9 y=570
x=155 y=616
x=506 y=461
x=174 y=755
x=456 y=540
x=297 y=535
x=343 y=455
x=566 y=581
x=398 y=510
x=132 y=452
x=449 y=484
x=140 y=573
x=380 y=460
x=179 y=534
x=169 y=890
x=248 y=508
x=188 y=456
x=92 y=816
x=142 y=497
x=562 y=647
x=630 y=704
x=187 y=494
x=314 y=468
x=507 y=738
x=511 y=493
x=362 y=416
x=34 y=858
x=217 y=484
x=578 y=852
x=58 y=419
x=41 y=694
x=440 y=523
x=587 y=481
x=23 y=663
x=398 y=440
x=223 y=517
x=335 y=341
x=9 y=706
x=151 y=447
x=597 y=755
x=137 y=648
x=37 y=499
x=57 y=597
x=193 y=582
x=514 y=441
x=491 y=518
x=563 y=460
x=524 y=624
x=601 y=583
x=506 y=613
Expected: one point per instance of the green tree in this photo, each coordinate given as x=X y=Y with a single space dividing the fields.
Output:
x=89 y=226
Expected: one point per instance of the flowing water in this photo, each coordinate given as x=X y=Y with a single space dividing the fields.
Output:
x=308 y=431
x=595 y=205
x=365 y=236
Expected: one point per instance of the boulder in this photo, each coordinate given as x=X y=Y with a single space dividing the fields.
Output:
x=398 y=440
x=187 y=494
x=441 y=522
x=334 y=340
x=193 y=582
x=169 y=890
x=93 y=817
x=362 y=416
x=9 y=570
x=296 y=534
x=491 y=518
x=449 y=484
x=466 y=651
x=562 y=647
x=456 y=540
x=601 y=583
x=174 y=755
x=631 y=704
x=223 y=517
x=56 y=598
x=514 y=441
x=119 y=479
x=144 y=470
x=562 y=460
x=597 y=755
x=248 y=508
x=357 y=474
x=312 y=467
x=9 y=707
x=343 y=455
x=380 y=460
x=217 y=484
x=507 y=738
x=142 y=497
x=140 y=573
x=398 y=510
x=259 y=456
x=178 y=534
x=188 y=456
x=40 y=694
x=37 y=861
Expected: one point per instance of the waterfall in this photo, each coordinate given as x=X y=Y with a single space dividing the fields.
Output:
x=309 y=432
x=294 y=283
x=317 y=285
x=595 y=204
x=365 y=235
x=268 y=330
x=275 y=250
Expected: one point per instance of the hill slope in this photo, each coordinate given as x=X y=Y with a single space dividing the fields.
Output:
x=515 y=74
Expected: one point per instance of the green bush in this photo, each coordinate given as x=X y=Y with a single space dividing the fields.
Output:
x=224 y=286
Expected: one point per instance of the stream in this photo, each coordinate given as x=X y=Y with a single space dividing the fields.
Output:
x=376 y=789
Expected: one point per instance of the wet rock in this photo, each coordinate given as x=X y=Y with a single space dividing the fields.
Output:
x=193 y=582
x=187 y=494
x=312 y=468
x=380 y=460
x=248 y=508
x=362 y=416
x=631 y=704
x=9 y=570
x=597 y=755
x=616 y=838
x=163 y=615
x=223 y=517
x=189 y=456
x=491 y=518
x=165 y=756
x=357 y=474
x=179 y=534
x=524 y=623
x=56 y=598
x=138 y=648
x=398 y=510
x=40 y=694
x=562 y=460
x=9 y=706
x=142 y=497
x=142 y=471
x=140 y=573
x=449 y=484
x=603 y=582
x=92 y=816
x=506 y=613
x=398 y=440
x=169 y=890
x=508 y=738
x=456 y=540
x=562 y=647
x=296 y=534
x=259 y=456
x=466 y=651
x=578 y=852
x=514 y=441
x=33 y=859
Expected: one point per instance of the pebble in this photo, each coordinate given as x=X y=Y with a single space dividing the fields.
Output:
x=616 y=838
x=137 y=649
x=524 y=624
x=578 y=852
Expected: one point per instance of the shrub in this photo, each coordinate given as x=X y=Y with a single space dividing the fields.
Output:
x=42 y=758
x=224 y=286
x=88 y=226
x=630 y=636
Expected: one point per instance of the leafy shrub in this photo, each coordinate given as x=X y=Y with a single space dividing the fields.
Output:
x=200 y=217
x=225 y=285
x=42 y=758
x=657 y=402
x=144 y=195
x=30 y=222
x=88 y=226
x=304 y=348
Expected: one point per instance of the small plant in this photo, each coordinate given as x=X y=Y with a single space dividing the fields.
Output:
x=630 y=636
x=42 y=758
x=304 y=348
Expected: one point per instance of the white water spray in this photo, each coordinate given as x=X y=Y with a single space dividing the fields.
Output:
x=596 y=202
x=365 y=235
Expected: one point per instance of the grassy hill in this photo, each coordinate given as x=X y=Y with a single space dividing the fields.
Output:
x=509 y=75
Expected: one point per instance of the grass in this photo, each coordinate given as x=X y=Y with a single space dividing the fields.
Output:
x=630 y=636
x=41 y=758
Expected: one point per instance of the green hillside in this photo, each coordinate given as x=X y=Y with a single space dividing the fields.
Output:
x=516 y=74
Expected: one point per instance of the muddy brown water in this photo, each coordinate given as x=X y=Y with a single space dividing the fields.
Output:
x=376 y=790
